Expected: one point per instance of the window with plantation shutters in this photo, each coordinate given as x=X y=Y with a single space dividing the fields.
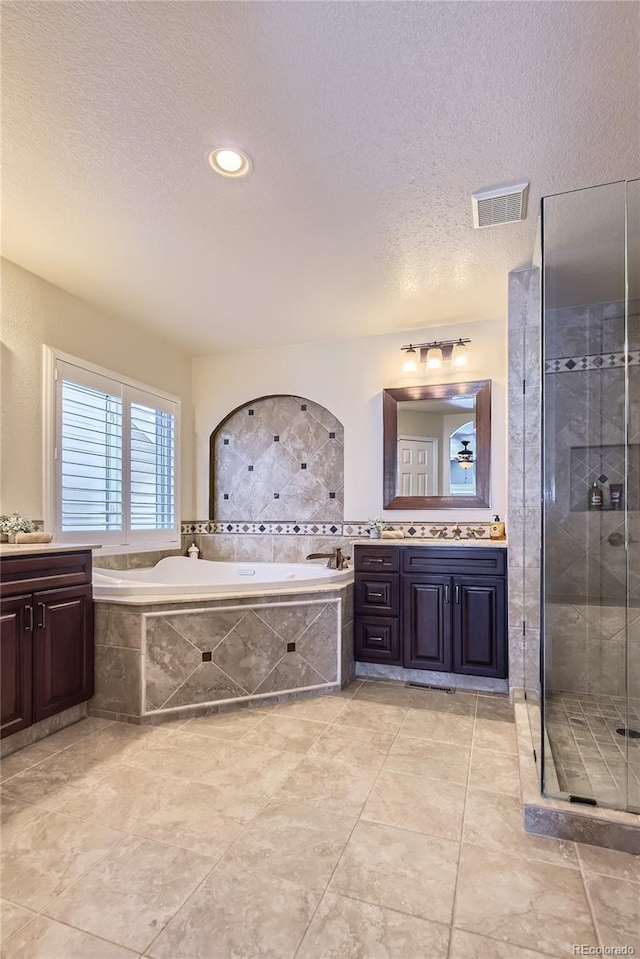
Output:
x=114 y=458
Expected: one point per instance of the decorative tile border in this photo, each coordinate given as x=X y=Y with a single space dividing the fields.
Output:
x=593 y=361
x=434 y=531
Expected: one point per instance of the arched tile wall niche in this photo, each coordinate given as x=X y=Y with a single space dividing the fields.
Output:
x=277 y=459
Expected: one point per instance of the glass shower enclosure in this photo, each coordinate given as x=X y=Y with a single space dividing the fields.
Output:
x=590 y=584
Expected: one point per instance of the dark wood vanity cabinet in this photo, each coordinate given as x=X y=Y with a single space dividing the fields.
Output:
x=46 y=636
x=451 y=609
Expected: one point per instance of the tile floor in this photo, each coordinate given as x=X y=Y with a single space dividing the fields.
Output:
x=590 y=758
x=381 y=822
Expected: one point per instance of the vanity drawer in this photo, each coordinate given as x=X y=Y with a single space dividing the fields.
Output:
x=378 y=594
x=377 y=559
x=472 y=560
x=377 y=640
x=22 y=574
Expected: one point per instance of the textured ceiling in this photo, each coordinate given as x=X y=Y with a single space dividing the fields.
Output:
x=369 y=124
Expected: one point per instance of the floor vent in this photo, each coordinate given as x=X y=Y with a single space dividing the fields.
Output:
x=508 y=204
x=583 y=800
x=441 y=689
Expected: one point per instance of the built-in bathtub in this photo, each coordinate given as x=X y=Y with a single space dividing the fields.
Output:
x=188 y=637
x=178 y=576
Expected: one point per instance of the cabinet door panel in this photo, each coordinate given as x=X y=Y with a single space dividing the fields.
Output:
x=377 y=640
x=427 y=622
x=479 y=627
x=63 y=649
x=15 y=665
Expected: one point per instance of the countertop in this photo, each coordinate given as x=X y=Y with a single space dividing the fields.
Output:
x=415 y=541
x=42 y=549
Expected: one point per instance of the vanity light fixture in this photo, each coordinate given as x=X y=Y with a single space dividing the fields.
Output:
x=230 y=162
x=435 y=355
x=410 y=363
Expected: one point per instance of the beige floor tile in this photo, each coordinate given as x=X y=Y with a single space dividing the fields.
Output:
x=246 y=777
x=389 y=694
x=287 y=733
x=433 y=760
x=21 y=760
x=244 y=914
x=349 y=691
x=350 y=744
x=496 y=735
x=411 y=802
x=346 y=929
x=324 y=709
x=181 y=755
x=133 y=893
x=294 y=841
x=332 y=785
x=43 y=854
x=495 y=707
x=497 y=772
x=616 y=909
x=374 y=716
x=595 y=860
x=438 y=727
x=466 y=945
x=495 y=822
x=46 y=939
x=58 y=779
x=458 y=704
x=125 y=798
x=12 y=918
x=400 y=870
x=192 y=821
x=74 y=733
x=535 y=905
x=119 y=741
x=229 y=726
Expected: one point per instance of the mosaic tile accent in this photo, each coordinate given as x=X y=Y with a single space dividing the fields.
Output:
x=290 y=447
x=435 y=531
x=593 y=361
x=604 y=465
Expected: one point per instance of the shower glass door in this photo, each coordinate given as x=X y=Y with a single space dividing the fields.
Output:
x=591 y=490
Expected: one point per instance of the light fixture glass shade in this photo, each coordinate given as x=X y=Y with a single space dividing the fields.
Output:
x=459 y=356
x=465 y=456
x=434 y=358
x=410 y=361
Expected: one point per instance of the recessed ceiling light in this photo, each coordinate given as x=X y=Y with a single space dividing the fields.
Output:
x=229 y=162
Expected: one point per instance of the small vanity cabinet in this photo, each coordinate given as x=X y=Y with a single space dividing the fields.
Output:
x=46 y=636
x=432 y=607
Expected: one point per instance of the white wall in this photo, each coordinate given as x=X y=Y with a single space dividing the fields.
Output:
x=348 y=376
x=34 y=313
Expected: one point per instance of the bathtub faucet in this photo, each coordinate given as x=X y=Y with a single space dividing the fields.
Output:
x=336 y=559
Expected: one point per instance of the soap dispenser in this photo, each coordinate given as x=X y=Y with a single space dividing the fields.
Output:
x=193 y=551
x=595 y=500
x=496 y=530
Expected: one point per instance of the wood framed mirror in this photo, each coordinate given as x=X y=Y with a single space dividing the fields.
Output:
x=437 y=446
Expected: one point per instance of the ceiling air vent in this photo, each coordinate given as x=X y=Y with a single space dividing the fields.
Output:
x=507 y=204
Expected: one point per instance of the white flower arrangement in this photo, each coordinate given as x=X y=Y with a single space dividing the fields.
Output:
x=377 y=524
x=14 y=523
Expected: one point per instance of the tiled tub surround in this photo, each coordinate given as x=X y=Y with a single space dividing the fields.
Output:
x=381 y=821
x=276 y=458
x=152 y=658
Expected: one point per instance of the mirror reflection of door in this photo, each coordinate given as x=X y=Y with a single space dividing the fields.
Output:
x=417 y=465
x=462 y=478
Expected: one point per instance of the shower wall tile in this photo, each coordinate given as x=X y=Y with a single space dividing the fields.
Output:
x=279 y=458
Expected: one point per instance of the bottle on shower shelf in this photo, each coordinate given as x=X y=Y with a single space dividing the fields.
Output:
x=595 y=497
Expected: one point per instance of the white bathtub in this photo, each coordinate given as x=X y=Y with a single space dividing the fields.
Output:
x=179 y=576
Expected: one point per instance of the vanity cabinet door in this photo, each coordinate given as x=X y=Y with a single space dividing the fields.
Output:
x=15 y=664
x=63 y=649
x=479 y=626
x=427 y=622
